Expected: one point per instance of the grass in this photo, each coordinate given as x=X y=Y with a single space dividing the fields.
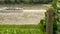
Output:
x=19 y=26
x=20 y=29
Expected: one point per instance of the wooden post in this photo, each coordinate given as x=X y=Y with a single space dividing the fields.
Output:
x=49 y=21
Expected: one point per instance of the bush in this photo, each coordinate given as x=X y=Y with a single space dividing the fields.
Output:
x=12 y=1
x=7 y=1
x=1 y=2
x=42 y=25
x=36 y=1
x=45 y=1
x=17 y=1
x=26 y=1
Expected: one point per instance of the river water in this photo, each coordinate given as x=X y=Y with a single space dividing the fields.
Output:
x=25 y=16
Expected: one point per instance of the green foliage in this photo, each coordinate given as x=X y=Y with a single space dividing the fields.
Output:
x=42 y=25
x=12 y=1
x=56 y=19
x=19 y=26
x=7 y=1
x=20 y=29
x=18 y=1
x=24 y=1
x=36 y=1
x=54 y=5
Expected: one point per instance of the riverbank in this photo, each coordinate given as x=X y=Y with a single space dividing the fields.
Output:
x=26 y=6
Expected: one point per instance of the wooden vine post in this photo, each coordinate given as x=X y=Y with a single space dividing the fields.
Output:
x=49 y=20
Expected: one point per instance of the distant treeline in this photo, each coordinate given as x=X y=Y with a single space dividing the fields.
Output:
x=24 y=1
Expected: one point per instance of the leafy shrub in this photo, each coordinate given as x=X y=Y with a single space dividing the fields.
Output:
x=12 y=1
x=7 y=1
x=35 y=1
x=1 y=2
x=42 y=25
x=24 y=1
x=17 y=1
